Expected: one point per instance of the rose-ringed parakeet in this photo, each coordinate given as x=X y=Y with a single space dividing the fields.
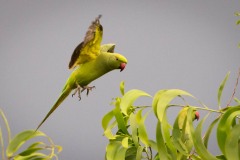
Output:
x=91 y=61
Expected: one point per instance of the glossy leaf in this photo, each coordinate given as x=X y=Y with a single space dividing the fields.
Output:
x=129 y=98
x=221 y=87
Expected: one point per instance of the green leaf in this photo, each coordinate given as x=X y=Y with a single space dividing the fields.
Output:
x=115 y=151
x=162 y=149
x=237 y=13
x=237 y=100
x=177 y=134
x=155 y=100
x=197 y=138
x=232 y=143
x=108 y=132
x=34 y=156
x=134 y=128
x=29 y=151
x=20 y=139
x=6 y=124
x=119 y=117
x=125 y=142
x=129 y=98
x=139 y=153
x=106 y=119
x=209 y=130
x=131 y=153
x=225 y=126
x=142 y=130
x=221 y=87
x=112 y=149
x=165 y=98
x=237 y=22
x=122 y=86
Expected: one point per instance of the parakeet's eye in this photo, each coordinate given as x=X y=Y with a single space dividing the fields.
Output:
x=116 y=58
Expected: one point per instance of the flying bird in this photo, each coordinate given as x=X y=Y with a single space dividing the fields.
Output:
x=90 y=61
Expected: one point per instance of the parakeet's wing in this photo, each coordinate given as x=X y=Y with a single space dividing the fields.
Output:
x=89 y=49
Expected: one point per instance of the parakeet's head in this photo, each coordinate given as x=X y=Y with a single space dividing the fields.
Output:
x=117 y=61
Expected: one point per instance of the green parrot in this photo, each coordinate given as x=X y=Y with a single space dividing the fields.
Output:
x=91 y=61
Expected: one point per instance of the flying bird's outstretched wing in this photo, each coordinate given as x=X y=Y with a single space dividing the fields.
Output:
x=89 y=49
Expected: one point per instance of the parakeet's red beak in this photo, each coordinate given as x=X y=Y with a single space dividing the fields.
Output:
x=122 y=66
x=197 y=116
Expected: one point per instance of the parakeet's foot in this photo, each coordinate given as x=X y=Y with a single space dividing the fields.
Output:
x=88 y=89
x=78 y=90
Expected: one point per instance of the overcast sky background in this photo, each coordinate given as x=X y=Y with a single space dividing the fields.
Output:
x=188 y=45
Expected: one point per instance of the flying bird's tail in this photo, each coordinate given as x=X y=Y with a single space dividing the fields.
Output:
x=61 y=98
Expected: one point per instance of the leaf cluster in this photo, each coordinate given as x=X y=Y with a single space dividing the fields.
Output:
x=124 y=126
x=37 y=150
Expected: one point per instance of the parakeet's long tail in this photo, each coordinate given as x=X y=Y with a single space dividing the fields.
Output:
x=64 y=94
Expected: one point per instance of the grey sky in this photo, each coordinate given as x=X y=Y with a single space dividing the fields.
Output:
x=184 y=44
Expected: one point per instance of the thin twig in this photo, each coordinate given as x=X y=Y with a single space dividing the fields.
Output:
x=234 y=91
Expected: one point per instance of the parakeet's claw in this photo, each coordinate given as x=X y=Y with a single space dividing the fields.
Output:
x=78 y=90
x=88 y=89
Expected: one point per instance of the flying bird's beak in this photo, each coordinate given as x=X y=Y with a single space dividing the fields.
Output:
x=197 y=116
x=122 y=66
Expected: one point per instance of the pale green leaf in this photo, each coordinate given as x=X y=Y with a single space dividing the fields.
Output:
x=142 y=130
x=129 y=98
x=29 y=151
x=237 y=100
x=165 y=98
x=119 y=117
x=197 y=138
x=34 y=156
x=20 y=139
x=125 y=142
x=167 y=137
x=139 y=153
x=153 y=144
x=225 y=125
x=6 y=124
x=232 y=143
x=106 y=119
x=155 y=100
x=112 y=149
x=177 y=132
x=122 y=86
x=237 y=22
x=120 y=154
x=134 y=129
x=115 y=151
x=131 y=153
x=162 y=149
x=208 y=132
x=221 y=87
x=108 y=132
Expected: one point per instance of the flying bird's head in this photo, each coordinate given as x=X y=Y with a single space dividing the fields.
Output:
x=117 y=61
